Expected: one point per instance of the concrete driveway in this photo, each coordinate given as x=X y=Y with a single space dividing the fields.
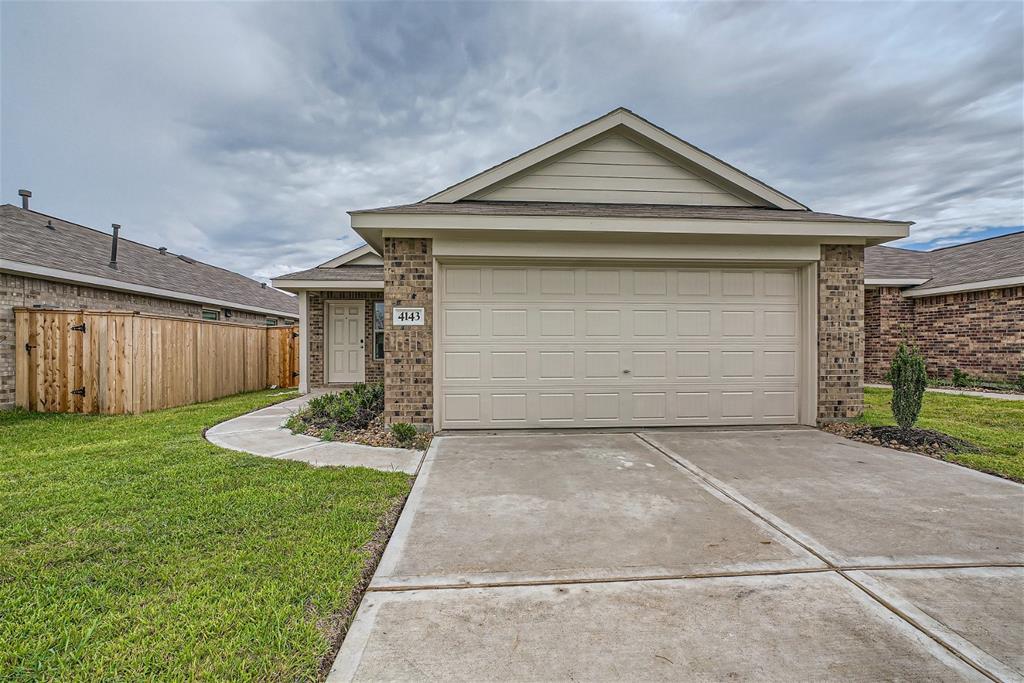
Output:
x=669 y=555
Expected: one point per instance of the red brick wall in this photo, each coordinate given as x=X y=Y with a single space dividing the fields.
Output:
x=981 y=333
x=888 y=320
x=409 y=350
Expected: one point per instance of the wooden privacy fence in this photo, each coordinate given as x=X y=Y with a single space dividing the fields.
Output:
x=123 y=362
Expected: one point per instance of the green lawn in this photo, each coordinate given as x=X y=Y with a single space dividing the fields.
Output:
x=131 y=549
x=997 y=427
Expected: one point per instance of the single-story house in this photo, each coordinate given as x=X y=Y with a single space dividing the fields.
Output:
x=963 y=306
x=47 y=262
x=613 y=276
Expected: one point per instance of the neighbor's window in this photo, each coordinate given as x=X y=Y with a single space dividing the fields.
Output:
x=378 y=330
x=271 y=322
x=210 y=314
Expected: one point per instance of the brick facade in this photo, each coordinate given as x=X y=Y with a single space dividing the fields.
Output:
x=315 y=311
x=409 y=350
x=17 y=291
x=981 y=333
x=840 y=332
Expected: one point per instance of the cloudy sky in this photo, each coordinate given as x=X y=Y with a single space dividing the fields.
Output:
x=241 y=133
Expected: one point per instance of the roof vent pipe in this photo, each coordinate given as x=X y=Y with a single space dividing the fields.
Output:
x=113 y=245
x=263 y=285
x=163 y=251
x=24 y=194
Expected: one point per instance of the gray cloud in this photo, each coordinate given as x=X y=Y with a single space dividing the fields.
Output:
x=241 y=133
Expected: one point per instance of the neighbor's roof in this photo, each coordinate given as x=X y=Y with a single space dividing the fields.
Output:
x=76 y=249
x=595 y=210
x=993 y=259
x=339 y=273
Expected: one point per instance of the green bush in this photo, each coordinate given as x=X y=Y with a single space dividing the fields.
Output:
x=347 y=410
x=909 y=379
x=327 y=434
x=961 y=378
x=1019 y=384
x=403 y=432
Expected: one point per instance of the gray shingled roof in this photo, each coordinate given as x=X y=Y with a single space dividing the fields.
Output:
x=362 y=273
x=78 y=249
x=995 y=258
x=594 y=210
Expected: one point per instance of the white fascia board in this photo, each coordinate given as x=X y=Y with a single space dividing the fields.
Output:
x=299 y=285
x=106 y=283
x=366 y=224
x=349 y=256
x=895 y=281
x=966 y=287
x=639 y=126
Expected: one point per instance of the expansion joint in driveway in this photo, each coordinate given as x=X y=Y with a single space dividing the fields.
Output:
x=960 y=648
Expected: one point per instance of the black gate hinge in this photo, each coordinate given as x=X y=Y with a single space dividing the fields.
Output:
x=80 y=391
x=78 y=328
x=294 y=335
x=295 y=374
x=29 y=347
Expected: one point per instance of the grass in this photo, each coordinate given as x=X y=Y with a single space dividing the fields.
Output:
x=131 y=549
x=996 y=427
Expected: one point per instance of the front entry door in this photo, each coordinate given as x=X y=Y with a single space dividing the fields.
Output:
x=345 y=342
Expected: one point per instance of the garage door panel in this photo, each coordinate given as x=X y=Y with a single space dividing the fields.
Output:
x=561 y=346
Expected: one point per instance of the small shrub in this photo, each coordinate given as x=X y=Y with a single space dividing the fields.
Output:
x=327 y=434
x=346 y=410
x=403 y=432
x=961 y=378
x=1019 y=384
x=909 y=379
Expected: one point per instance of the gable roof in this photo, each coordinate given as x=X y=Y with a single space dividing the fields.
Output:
x=75 y=253
x=989 y=263
x=623 y=123
x=363 y=255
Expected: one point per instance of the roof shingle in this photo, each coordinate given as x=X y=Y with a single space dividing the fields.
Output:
x=75 y=248
x=996 y=258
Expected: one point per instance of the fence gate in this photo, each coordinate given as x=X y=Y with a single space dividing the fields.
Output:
x=122 y=362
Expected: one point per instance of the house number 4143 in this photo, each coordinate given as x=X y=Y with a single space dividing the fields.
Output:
x=407 y=316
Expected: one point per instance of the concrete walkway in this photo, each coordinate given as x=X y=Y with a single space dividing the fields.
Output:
x=262 y=432
x=698 y=555
x=963 y=392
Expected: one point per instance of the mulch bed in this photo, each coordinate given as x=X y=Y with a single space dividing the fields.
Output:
x=914 y=440
x=375 y=434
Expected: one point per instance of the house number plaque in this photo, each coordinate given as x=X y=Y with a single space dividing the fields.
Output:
x=407 y=316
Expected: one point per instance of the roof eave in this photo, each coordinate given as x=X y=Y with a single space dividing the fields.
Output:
x=296 y=286
x=44 y=272
x=370 y=226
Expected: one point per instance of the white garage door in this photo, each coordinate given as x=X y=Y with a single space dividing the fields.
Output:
x=550 y=346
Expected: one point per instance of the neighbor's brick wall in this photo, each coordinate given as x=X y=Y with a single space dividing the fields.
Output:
x=17 y=291
x=409 y=350
x=888 y=320
x=315 y=310
x=840 y=332
x=981 y=333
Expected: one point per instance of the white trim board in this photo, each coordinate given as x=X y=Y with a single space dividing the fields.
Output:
x=106 y=283
x=966 y=287
x=298 y=285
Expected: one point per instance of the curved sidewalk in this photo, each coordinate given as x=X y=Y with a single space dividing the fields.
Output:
x=262 y=432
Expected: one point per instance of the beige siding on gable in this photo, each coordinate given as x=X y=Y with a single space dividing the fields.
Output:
x=616 y=170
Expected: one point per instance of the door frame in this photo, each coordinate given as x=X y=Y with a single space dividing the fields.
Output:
x=328 y=326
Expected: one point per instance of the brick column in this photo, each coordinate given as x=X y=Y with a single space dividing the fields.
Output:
x=409 y=350
x=840 y=332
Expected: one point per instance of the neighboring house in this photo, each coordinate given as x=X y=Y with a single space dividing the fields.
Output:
x=613 y=276
x=49 y=262
x=963 y=306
